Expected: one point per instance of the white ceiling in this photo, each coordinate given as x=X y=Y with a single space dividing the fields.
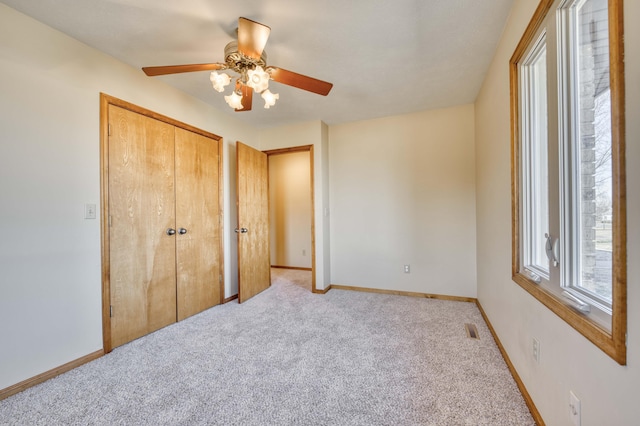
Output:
x=384 y=57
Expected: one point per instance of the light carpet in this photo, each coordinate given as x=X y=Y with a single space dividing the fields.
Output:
x=290 y=357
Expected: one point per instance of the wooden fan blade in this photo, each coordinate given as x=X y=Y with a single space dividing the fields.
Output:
x=252 y=37
x=247 y=97
x=300 y=81
x=175 y=69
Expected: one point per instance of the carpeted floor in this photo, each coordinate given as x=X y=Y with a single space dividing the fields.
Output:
x=291 y=357
x=296 y=277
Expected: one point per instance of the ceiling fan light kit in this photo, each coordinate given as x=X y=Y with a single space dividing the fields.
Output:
x=258 y=79
x=269 y=98
x=234 y=100
x=220 y=81
x=249 y=60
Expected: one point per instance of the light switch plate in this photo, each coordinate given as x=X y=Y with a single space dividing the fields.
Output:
x=574 y=408
x=90 y=211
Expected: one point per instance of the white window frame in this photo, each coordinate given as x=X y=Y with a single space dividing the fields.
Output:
x=534 y=182
x=568 y=88
x=601 y=322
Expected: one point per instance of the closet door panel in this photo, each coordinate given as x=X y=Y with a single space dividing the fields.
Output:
x=198 y=217
x=141 y=209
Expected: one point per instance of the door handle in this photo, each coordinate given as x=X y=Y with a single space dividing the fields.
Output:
x=171 y=231
x=182 y=231
x=241 y=230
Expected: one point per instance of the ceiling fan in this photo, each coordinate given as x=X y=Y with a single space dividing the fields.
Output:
x=247 y=57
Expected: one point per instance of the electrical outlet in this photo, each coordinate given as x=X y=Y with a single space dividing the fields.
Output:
x=536 y=350
x=407 y=269
x=574 y=408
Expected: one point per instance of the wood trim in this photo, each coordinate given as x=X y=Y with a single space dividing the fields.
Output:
x=618 y=163
x=523 y=390
x=297 y=268
x=221 y=215
x=110 y=100
x=237 y=218
x=404 y=293
x=527 y=38
x=313 y=218
x=230 y=299
x=590 y=330
x=104 y=222
x=35 y=380
x=289 y=150
x=612 y=343
x=321 y=291
x=515 y=161
x=105 y=101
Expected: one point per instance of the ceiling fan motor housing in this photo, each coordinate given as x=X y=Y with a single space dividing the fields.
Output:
x=239 y=62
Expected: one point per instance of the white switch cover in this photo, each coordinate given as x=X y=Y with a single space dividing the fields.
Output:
x=89 y=211
x=536 y=350
x=574 y=408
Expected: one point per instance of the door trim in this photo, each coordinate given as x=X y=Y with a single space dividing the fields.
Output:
x=105 y=101
x=304 y=148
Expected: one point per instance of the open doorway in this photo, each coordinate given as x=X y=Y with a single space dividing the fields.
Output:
x=291 y=223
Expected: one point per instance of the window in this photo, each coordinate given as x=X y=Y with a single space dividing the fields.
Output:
x=569 y=218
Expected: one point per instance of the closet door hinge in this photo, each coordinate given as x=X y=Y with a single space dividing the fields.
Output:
x=220 y=278
x=110 y=311
x=109 y=221
x=109 y=129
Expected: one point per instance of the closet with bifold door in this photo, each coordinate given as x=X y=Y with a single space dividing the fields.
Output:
x=162 y=239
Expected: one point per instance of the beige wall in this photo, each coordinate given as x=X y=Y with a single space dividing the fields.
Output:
x=608 y=392
x=402 y=192
x=290 y=209
x=50 y=284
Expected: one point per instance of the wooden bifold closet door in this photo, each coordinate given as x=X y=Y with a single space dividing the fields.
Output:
x=164 y=224
x=197 y=213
